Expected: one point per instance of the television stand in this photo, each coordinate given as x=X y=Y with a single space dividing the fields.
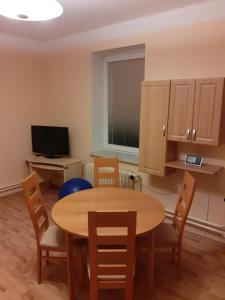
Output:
x=49 y=155
x=55 y=170
x=52 y=156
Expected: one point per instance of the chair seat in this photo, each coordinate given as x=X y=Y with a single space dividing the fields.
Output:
x=165 y=234
x=53 y=237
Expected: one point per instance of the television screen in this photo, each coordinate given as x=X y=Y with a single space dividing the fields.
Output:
x=50 y=141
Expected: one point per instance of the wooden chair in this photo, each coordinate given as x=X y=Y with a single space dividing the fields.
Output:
x=49 y=238
x=111 y=254
x=170 y=235
x=109 y=177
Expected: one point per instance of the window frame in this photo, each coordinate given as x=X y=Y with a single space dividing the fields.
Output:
x=111 y=58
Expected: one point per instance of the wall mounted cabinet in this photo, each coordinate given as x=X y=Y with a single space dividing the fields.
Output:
x=181 y=110
x=208 y=108
x=195 y=111
x=153 y=127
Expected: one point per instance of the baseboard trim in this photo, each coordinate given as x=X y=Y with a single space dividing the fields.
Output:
x=205 y=226
x=10 y=189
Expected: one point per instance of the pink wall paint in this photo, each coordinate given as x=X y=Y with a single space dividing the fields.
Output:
x=189 y=52
x=69 y=96
x=22 y=102
x=56 y=89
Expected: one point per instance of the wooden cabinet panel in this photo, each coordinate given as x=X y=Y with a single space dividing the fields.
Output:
x=181 y=110
x=153 y=125
x=193 y=110
x=207 y=111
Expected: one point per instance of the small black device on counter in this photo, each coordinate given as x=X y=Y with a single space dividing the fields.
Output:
x=193 y=160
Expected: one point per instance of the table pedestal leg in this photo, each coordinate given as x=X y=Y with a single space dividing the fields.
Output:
x=151 y=258
x=70 y=267
x=79 y=254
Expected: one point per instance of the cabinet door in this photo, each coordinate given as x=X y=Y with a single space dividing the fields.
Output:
x=181 y=110
x=207 y=111
x=153 y=123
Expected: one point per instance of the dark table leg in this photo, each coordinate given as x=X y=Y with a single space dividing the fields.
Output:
x=70 y=266
x=151 y=259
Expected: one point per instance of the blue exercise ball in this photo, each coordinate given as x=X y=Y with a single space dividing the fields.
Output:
x=74 y=185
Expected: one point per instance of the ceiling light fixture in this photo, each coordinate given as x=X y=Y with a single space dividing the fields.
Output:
x=30 y=10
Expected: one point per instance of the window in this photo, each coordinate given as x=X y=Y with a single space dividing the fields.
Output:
x=116 y=95
x=123 y=76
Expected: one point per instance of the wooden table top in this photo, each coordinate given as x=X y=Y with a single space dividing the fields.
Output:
x=71 y=212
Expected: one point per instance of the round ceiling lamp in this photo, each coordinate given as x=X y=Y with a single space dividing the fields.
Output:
x=30 y=10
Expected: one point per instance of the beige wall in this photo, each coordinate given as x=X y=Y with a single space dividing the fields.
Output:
x=194 y=51
x=191 y=52
x=22 y=103
x=69 y=96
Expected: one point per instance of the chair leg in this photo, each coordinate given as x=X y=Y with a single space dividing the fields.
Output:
x=178 y=262
x=129 y=291
x=39 y=265
x=47 y=260
x=173 y=254
x=93 y=291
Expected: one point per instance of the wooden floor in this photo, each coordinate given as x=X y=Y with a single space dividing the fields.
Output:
x=203 y=265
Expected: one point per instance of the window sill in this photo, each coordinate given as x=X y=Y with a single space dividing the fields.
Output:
x=125 y=157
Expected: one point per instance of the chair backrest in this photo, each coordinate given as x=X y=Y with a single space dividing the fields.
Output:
x=35 y=205
x=106 y=171
x=184 y=202
x=112 y=252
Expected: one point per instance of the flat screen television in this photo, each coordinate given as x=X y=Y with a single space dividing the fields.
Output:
x=50 y=141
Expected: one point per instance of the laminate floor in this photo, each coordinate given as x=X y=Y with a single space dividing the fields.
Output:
x=203 y=265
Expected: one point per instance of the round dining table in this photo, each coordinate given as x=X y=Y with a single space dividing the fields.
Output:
x=71 y=215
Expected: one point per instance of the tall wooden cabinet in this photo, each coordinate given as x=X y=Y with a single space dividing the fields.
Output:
x=153 y=126
x=195 y=111
x=181 y=110
x=208 y=108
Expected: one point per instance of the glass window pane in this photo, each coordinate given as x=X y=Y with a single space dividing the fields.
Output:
x=124 y=96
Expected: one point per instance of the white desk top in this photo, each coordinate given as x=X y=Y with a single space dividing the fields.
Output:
x=64 y=161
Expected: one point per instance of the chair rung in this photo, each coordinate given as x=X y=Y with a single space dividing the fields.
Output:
x=108 y=175
x=111 y=270
x=113 y=256
x=111 y=284
x=111 y=240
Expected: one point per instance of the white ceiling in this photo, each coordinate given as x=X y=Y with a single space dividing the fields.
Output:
x=84 y=15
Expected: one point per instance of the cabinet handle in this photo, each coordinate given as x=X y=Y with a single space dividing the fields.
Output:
x=188 y=133
x=194 y=134
x=164 y=130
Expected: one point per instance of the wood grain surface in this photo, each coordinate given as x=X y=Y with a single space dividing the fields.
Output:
x=71 y=212
x=203 y=265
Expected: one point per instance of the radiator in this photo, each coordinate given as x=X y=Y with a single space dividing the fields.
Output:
x=128 y=178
